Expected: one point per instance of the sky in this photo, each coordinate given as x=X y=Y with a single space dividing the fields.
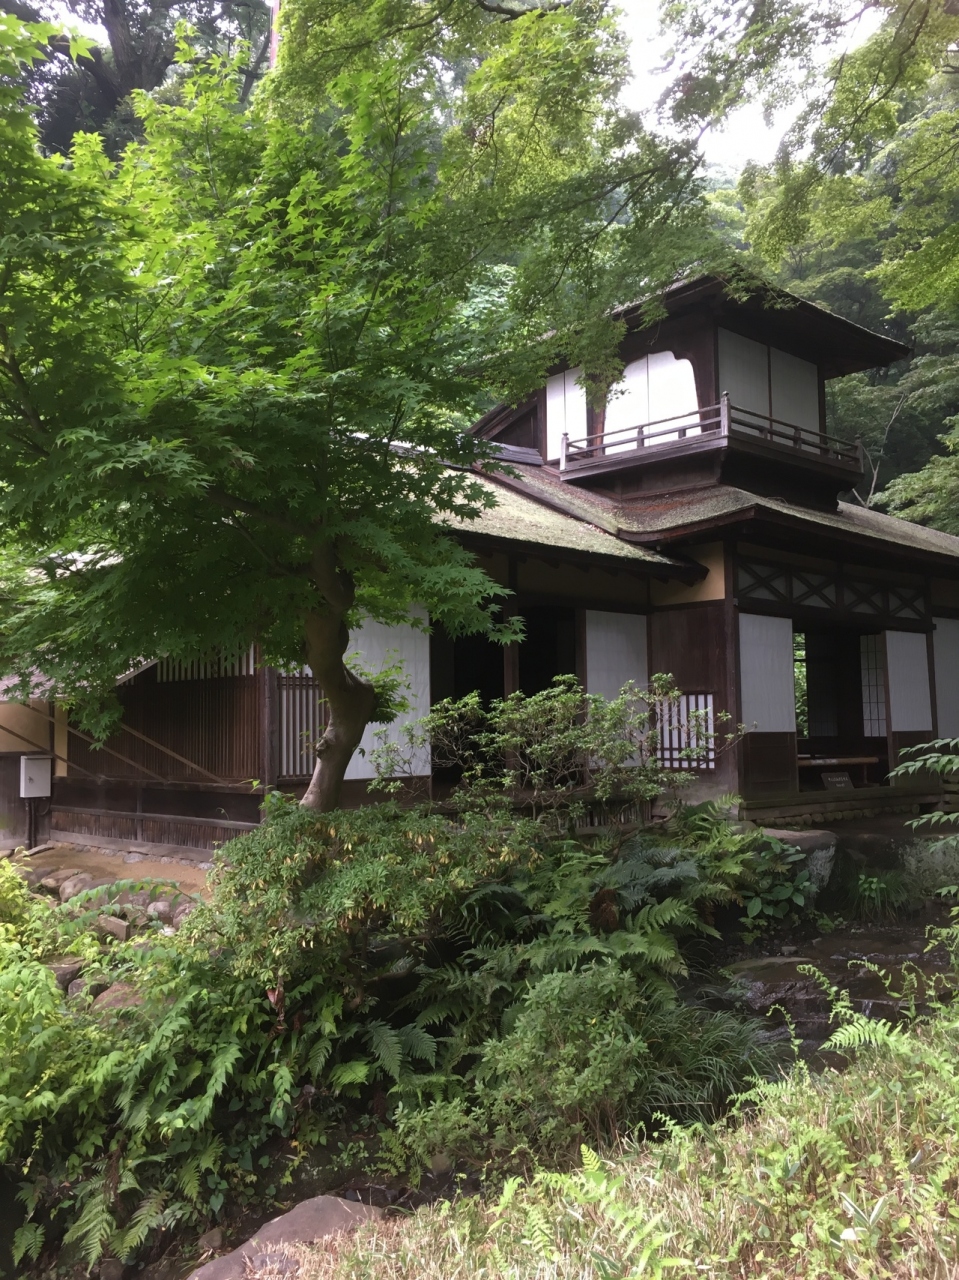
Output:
x=745 y=136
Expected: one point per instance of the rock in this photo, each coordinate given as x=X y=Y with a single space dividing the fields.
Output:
x=204 y=866
x=113 y=927
x=65 y=971
x=38 y=848
x=32 y=875
x=273 y=1264
x=86 y=987
x=56 y=878
x=134 y=857
x=210 y=1241
x=160 y=910
x=111 y=1269
x=165 y=1269
x=76 y=884
x=122 y=995
x=748 y=967
x=311 y=1220
x=181 y=913
x=818 y=846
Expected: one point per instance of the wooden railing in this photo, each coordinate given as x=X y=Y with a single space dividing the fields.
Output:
x=723 y=419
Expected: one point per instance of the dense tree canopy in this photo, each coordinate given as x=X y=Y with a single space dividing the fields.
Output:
x=91 y=93
x=239 y=364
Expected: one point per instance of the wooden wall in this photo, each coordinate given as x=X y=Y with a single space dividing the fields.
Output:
x=213 y=723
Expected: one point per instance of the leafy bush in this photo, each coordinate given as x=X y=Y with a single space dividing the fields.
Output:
x=488 y=978
x=777 y=883
x=377 y=962
x=878 y=895
x=848 y=1174
x=931 y=866
x=592 y=1055
x=557 y=752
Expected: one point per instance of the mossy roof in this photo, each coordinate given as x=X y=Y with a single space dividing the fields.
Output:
x=521 y=517
x=663 y=515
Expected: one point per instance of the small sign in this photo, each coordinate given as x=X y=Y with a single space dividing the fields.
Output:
x=838 y=781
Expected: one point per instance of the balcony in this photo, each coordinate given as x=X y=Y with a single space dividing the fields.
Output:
x=724 y=427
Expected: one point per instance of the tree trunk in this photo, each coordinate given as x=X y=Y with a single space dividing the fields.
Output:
x=350 y=698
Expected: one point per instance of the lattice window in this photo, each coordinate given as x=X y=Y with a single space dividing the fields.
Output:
x=873 y=687
x=763 y=581
x=302 y=720
x=865 y=597
x=242 y=664
x=817 y=590
x=783 y=584
x=907 y=602
x=686 y=726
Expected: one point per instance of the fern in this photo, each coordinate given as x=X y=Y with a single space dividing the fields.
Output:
x=418 y=1043
x=28 y=1242
x=386 y=1046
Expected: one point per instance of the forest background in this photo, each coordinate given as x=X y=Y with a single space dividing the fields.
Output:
x=862 y=212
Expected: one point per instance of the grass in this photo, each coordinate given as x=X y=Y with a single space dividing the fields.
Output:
x=842 y=1174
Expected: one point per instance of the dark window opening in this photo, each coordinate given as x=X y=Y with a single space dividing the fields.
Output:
x=840 y=705
x=549 y=647
x=465 y=664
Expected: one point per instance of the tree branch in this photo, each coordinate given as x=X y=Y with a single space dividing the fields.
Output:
x=505 y=11
x=11 y=367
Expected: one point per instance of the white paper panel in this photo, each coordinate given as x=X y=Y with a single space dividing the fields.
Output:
x=672 y=390
x=565 y=410
x=744 y=372
x=575 y=408
x=907 y=670
x=945 y=641
x=795 y=390
x=628 y=403
x=555 y=413
x=615 y=651
x=766 y=673
x=380 y=646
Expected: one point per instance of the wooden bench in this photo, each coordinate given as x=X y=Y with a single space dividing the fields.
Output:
x=839 y=762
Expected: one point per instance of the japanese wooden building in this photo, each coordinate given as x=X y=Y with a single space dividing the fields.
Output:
x=697 y=526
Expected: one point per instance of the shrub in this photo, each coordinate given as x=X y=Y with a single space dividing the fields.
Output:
x=489 y=973
x=930 y=866
x=347 y=964
x=592 y=1056
x=849 y=1174
x=555 y=753
x=878 y=895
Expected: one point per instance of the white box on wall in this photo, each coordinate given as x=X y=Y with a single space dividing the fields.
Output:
x=35 y=776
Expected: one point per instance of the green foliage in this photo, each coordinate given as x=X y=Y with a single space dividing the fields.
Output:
x=877 y=896
x=557 y=753
x=14 y=899
x=777 y=883
x=245 y=357
x=474 y=977
x=858 y=211
x=932 y=866
x=591 y=1055
x=830 y=1173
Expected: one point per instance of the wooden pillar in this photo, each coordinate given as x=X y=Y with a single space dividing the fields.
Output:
x=269 y=718
x=511 y=651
